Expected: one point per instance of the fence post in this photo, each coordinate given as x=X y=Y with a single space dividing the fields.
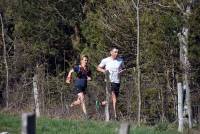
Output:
x=36 y=95
x=124 y=128
x=28 y=123
x=107 y=118
x=180 y=107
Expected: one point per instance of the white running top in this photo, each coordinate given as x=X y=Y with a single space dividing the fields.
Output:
x=114 y=66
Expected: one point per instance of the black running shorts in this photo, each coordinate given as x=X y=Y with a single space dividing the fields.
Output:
x=115 y=88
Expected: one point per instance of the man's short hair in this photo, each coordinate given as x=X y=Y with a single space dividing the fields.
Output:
x=112 y=48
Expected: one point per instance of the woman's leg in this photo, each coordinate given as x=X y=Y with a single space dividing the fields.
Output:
x=82 y=102
x=76 y=102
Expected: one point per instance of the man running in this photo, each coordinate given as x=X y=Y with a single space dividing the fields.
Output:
x=114 y=65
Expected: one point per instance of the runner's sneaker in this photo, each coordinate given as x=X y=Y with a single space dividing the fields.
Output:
x=86 y=117
x=97 y=104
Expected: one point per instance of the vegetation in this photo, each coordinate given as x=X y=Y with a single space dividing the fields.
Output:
x=45 y=38
x=12 y=124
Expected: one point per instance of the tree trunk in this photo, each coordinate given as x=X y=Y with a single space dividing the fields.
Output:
x=5 y=61
x=136 y=5
x=162 y=105
x=188 y=101
x=183 y=40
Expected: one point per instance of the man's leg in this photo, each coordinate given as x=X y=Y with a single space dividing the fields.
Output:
x=103 y=103
x=114 y=101
x=114 y=94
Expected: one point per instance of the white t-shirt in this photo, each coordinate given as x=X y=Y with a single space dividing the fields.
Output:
x=114 y=66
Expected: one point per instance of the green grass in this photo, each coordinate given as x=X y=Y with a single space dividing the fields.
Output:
x=74 y=127
x=148 y=130
x=12 y=124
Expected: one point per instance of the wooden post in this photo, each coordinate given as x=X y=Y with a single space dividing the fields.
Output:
x=107 y=118
x=180 y=107
x=35 y=90
x=28 y=123
x=124 y=128
x=4 y=133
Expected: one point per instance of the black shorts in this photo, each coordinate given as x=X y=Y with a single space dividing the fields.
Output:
x=115 y=88
x=80 y=89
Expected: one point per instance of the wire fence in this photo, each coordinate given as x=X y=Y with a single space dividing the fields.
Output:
x=196 y=113
x=55 y=94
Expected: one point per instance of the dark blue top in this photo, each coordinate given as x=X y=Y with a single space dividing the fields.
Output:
x=82 y=74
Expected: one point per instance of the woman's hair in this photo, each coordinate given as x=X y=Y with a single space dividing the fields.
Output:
x=83 y=56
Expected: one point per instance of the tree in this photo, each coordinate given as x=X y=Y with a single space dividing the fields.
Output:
x=38 y=33
x=5 y=60
x=185 y=8
x=137 y=8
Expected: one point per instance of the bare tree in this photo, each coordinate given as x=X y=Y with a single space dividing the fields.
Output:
x=5 y=59
x=137 y=8
x=183 y=40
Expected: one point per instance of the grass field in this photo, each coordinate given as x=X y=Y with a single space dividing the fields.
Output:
x=12 y=124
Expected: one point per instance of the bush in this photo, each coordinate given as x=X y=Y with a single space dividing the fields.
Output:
x=162 y=126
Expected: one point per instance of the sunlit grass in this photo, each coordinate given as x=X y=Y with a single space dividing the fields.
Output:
x=12 y=124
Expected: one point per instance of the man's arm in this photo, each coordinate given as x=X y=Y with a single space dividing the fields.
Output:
x=101 y=66
x=122 y=68
x=101 y=69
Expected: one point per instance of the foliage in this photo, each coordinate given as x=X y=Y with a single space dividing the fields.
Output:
x=194 y=48
x=47 y=37
x=162 y=126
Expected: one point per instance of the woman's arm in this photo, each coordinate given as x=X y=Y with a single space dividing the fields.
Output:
x=89 y=75
x=89 y=78
x=69 y=76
